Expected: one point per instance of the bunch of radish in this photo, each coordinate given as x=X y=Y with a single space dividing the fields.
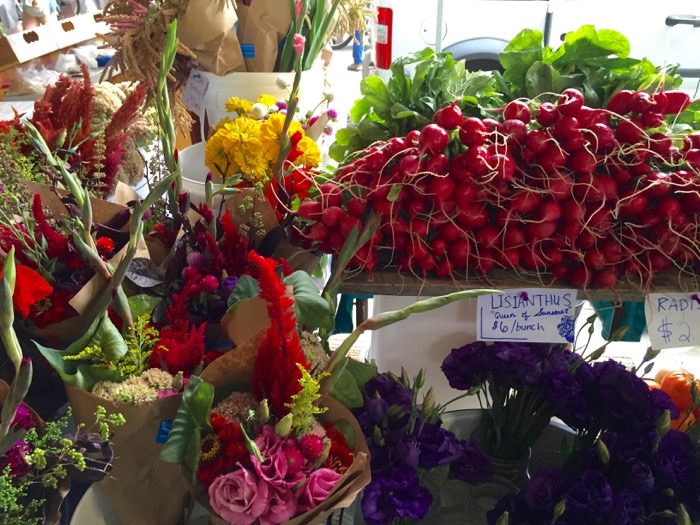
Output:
x=584 y=194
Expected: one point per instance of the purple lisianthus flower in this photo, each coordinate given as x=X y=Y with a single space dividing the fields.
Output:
x=515 y=365
x=407 y=452
x=676 y=441
x=627 y=508
x=589 y=497
x=672 y=469
x=639 y=477
x=466 y=367
x=395 y=494
x=566 y=394
x=628 y=445
x=391 y=391
x=661 y=401
x=227 y=286
x=438 y=446
x=625 y=396
x=472 y=465
x=545 y=489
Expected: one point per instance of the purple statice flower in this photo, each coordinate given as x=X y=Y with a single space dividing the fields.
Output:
x=438 y=446
x=515 y=365
x=472 y=465
x=466 y=366
x=395 y=494
x=332 y=113
x=589 y=498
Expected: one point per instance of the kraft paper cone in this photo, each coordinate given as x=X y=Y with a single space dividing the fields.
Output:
x=141 y=489
x=245 y=320
x=267 y=22
x=235 y=367
x=208 y=28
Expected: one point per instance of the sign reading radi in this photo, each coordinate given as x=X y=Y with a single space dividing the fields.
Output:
x=673 y=319
x=534 y=315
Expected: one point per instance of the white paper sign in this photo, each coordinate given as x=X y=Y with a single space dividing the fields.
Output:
x=536 y=315
x=673 y=319
x=195 y=90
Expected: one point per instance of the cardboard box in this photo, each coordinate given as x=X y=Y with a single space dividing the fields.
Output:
x=22 y=47
x=73 y=30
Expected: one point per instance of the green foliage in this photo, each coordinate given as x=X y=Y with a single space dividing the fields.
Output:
x=303 y=407
x=404 y=103
x=14 y=507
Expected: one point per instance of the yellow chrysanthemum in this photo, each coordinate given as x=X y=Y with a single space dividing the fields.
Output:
x=311 y=154
x=243 y=132
x=266 y=100
x=222 y=123
x=240 y=106
x=253 y=165
x=217 y=157
x=271 y=134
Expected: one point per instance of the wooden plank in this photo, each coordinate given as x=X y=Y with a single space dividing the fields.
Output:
x=394 y=283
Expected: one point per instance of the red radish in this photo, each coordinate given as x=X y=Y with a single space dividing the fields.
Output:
x=419 y=188
x=484 y=261
x=433 y=139
x=318 y=232
x=669 y=207
x=458 y=170
x=464 y=193
x=524 y=201
x=553 y=255
x=356 y=206
x=513 y=237
x=474 y=215
x=509 y=257
x=676 y=102
x=347 y=224
x=458 y=253
x=385 y=208
x=604 y=136
x=517 y=109
x=692 y=140
x=547 y=114
x=658 y=262
x=559 y=271
x=657 y=184
x=605 y=279
x=559 y=185
x=586 y=240
x=417 y=205
x=476 y=160
x=419 y=227
x=375 y=162
x=565 y=127
x=692 y=159
x=473 y=132
x=331 y=194
x=444 y=268
x=599 y=218
x=594 y=259
x=661 y=144
x=531 y=258
x=446 y=208
x=450 y=232
x=583 y=161
x=651 y=119
x=660 y=101
x=396 y=227
x=550 y=211
x=410 y=165
x=426 y=264
x=575 y=142
x=572 y=210
x=514 y=130
x=580 y=276
x=504 y=167
x=417 y=247
x=437 y=164
x=571 y=230
x=441 y=187
x=439 y=246
x=552 y=158
x=491 y=124
x=536 y=140
x=628 y=131
x=570 y=102
x=488 y=236
x=336 y=240
x=640 y=102
x=412 y=137
x=585 y=116
x=448 y=117
x=310 y=210
x=620 y=102
x=612 y=251
x=541 y=230
x=649 y=218
x=395 y=145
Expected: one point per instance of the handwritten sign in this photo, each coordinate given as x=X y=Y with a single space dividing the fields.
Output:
x=195 y=90
x=535 y=315
x=673 y=319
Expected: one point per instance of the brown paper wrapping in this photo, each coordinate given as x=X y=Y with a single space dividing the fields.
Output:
x=236 y=368
x=53 y=498
x=208 y=28
x=245 y=320
x=265 y=24
x=141 y=489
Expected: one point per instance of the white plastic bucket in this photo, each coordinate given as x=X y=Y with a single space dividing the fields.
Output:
x=194 y=173
x=249 y=86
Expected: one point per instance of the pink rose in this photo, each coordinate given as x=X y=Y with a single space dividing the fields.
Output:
x=316 y=489
x=275 y=470
x=239 y=497
x=299 y=43
x=268 y=441
x=281 y=506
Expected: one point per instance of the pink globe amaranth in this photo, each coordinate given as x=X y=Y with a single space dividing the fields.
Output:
x=239 y=497
x=318 y=485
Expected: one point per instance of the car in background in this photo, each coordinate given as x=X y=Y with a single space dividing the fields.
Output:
x=478 y=30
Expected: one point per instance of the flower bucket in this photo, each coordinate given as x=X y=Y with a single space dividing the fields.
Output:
x=250 y=86
x=194 y=173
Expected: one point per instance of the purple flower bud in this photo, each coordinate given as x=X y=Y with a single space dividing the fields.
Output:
x=227 y=285
x=282 y=104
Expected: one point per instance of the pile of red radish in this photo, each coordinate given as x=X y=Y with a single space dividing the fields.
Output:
x=583 y=194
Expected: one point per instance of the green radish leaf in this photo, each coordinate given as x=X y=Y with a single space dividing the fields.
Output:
x=540 y=78
x=394 y=192
x=246 y=287
x=184 y=441
x=372 y=131
x=519 y=55
x=310 y=308
x=359 y=110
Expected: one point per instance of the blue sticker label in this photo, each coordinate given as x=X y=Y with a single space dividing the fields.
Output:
x=166 y=425
x=248 y=50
